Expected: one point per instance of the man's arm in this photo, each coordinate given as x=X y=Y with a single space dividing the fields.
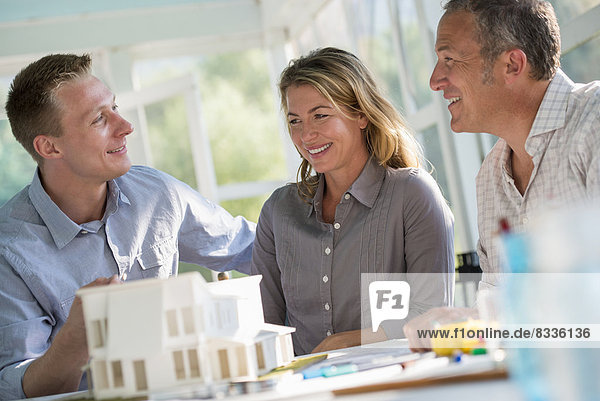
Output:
x=209 y=235
x=59 y=370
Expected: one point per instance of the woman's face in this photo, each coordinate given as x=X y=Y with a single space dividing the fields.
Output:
x=330 y=141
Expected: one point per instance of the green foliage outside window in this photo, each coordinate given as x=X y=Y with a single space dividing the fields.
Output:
x=17 y=166
x=240 y=118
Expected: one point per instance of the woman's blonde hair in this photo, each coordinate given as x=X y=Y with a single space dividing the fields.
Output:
x=347 y=83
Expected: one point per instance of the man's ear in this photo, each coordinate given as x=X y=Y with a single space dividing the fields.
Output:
x=44 y=145
x=514 y=64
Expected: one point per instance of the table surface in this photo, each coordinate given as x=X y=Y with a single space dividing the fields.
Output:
x=322 y=389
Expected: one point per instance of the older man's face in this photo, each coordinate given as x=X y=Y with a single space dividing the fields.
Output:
x=460 y=74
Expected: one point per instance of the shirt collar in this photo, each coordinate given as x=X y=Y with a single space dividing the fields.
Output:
x=551 y=114
x=61 y=227
x=365 y=188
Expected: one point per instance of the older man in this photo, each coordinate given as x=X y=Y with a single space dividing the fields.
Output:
x=498 y=67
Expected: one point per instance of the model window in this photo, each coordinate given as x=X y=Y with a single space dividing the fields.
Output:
x=117 y=371
x=97 y=334
x=188 y=320
x=100 y=375
x=260 y=356
x=224 y=363
x=139 y=368
x=172 y=323
x=242 y=361
x=194 y=363
x=179 y=367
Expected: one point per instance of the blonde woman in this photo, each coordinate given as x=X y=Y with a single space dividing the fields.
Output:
x=368 y=209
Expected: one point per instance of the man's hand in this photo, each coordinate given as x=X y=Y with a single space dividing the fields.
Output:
x=59 y=369
x=430 y=320
x=347 y=339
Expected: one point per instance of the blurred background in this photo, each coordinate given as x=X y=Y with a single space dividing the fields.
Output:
x=198 y=80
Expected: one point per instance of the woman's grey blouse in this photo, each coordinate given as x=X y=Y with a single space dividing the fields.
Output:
x=389 y=221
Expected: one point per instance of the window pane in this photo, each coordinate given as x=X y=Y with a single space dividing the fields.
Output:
x=169 y=139
x=430 y=141
x=376 y=46
x=567 y=10
x=241 y=117
x=413 y=49
x=239 y=114
x=17 y=166
x=248 y=207
x=582 y=63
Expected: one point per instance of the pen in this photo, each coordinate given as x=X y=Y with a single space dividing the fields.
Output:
x=330 y=371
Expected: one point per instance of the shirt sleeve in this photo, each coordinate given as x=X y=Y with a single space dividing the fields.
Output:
x=209 y=236
x=429 y=249
x=428 y=244
x=428 y=227
x=25 y=331
x=264 y=262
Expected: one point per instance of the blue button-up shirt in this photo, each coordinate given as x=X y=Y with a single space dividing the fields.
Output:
x=152 y=221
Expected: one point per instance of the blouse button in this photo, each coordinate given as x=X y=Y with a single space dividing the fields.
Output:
x=336 y=226
x=327 y=307
x=325 y=278
x=327 y=251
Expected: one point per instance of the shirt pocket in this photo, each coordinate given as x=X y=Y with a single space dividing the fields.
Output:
x=159 y=260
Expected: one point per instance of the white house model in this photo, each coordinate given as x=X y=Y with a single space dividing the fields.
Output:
x=156 y=335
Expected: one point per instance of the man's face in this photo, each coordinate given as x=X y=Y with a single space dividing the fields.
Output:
x=459 y=73
x=93 y=141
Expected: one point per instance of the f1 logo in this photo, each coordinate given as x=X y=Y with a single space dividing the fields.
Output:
x=388 y=301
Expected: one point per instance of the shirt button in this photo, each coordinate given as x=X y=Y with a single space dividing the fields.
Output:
x=336 y=226
x=347 y=196
x=328 y=333
x=525 y=220
x=327 y=251
x=327 y=307
x=84 y=232
x=325 y=278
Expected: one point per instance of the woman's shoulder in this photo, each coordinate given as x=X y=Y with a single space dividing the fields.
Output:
x=284 y=196
x=409 y=176
x=413 y=180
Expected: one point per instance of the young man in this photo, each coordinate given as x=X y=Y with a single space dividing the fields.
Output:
x=498 y=66
x=87 y=218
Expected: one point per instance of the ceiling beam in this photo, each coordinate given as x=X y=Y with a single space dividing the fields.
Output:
x=127 y=28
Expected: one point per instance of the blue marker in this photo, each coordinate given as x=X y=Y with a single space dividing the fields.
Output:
x=330 y=371
x=337 y=370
